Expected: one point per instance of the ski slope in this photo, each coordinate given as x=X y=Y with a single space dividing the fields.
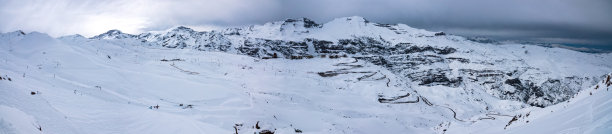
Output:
x=77 y=85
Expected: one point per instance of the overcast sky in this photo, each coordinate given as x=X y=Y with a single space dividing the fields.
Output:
x=562 y=21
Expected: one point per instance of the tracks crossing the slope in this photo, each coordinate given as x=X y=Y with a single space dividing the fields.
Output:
x=351 y=65
x=184 y=71
x=393 y=100
x=402 y=99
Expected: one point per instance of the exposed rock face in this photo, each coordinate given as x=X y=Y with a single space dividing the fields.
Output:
x=424 y=62
x=299 y=23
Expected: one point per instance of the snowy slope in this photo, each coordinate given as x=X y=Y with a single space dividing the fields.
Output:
x=587 y=112
x=393 y=79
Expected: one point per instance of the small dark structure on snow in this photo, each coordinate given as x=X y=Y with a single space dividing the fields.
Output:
x=440 y=34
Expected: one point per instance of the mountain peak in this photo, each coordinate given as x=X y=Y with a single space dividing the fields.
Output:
x=182 y=28
x=300 y=25
x=305 y=22
x=18 y=33
x=74 y=36
x=113 y=34
x=354 y=19
x=347 y=22
x=113 y=31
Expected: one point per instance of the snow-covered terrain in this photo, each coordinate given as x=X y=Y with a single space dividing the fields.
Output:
x=297 y=76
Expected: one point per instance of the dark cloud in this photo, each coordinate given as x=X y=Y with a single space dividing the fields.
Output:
x=558 y=21
x=561 y=21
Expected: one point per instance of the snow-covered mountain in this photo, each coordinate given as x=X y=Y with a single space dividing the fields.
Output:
x=421 y=56
x=348 y=75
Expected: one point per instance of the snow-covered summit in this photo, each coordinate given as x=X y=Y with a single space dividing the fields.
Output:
x=298 y=26
x=113 y=34
x=16 y=33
